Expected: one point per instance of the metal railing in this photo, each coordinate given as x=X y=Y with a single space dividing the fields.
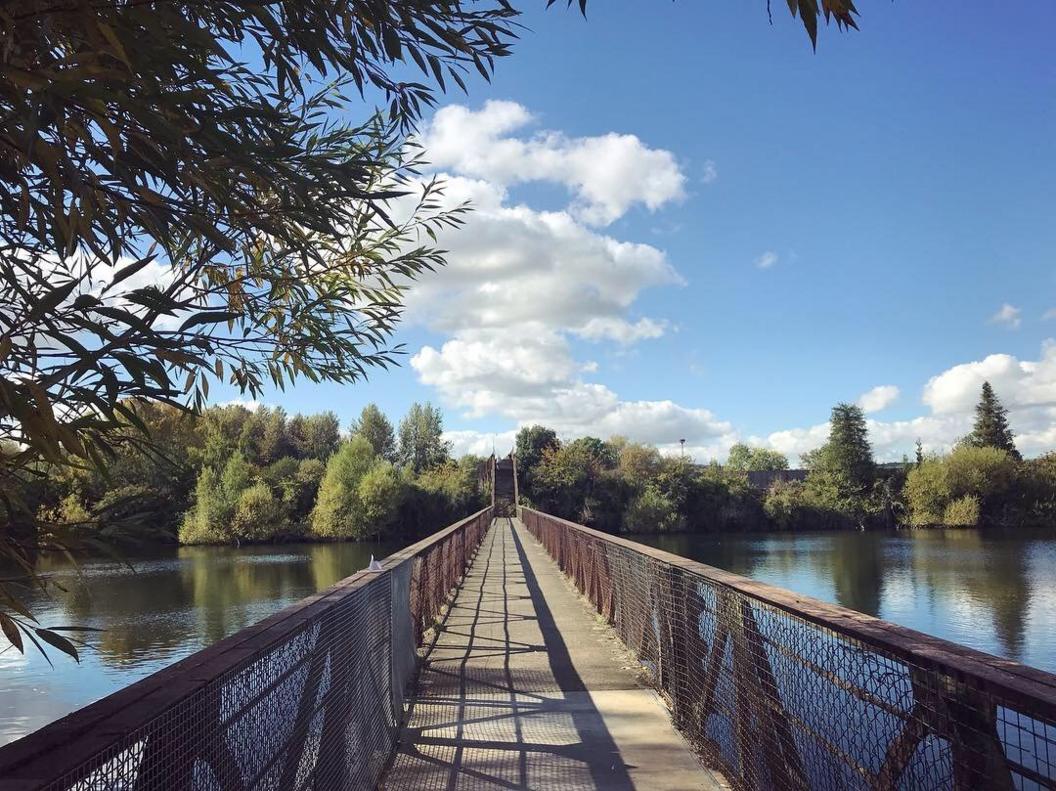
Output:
x=782 y=691
x=311 y=697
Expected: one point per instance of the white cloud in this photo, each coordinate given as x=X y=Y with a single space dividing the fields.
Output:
x=1007 y=315
x=880 y=397
x=766 y=260
x=513 y=265
x=522 y=282
x=606 y=174
x=1026 y=387
x=711 y=172
x=480 y=443
x=620 y=330
x=1049 y=314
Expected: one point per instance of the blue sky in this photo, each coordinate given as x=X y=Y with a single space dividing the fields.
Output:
x=900 y=184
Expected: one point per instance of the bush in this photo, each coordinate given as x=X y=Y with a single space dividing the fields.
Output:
x=783 y=504
x=380 y=494
x=989 y=473
x=257 y=515
x=203 y=524
x=941 y=488
x=927 y=492
x=962 y=512
x=651 y=512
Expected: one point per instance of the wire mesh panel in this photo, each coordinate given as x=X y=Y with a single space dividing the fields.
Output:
x=309 y=698
x=782 y=691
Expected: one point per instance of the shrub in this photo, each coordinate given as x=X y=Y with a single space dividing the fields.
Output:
x=337 y=506
x=651 y=512
x=988 y=473
x=783 y=504
x=927 y=492
x=380 y=494
x=203 y=523
x=257 y=515
x=962 y=512
x=940 y=488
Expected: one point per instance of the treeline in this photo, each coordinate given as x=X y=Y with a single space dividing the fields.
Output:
x=232 y=475
x=621 y=486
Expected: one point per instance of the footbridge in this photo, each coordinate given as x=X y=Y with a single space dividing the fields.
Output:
x=516 y=650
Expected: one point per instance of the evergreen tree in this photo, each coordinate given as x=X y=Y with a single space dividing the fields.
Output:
x=848 y=452
x=376 y=429
x=920 y=452
x=422 y=443
x=991 y=424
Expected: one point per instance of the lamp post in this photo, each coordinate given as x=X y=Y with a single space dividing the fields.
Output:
x=683 y=443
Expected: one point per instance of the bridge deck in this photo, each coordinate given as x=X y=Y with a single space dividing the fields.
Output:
x=526 y=689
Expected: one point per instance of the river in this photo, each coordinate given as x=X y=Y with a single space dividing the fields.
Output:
x=171 y=603
x=992 y=591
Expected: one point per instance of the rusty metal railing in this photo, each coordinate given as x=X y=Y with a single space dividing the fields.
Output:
x=781 y=691
x=311 y=697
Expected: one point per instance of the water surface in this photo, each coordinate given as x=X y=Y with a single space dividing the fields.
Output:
x=175 y=602
x=992 y=590
x=995 y=591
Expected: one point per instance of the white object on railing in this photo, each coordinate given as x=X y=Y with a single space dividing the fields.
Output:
x=374 y=565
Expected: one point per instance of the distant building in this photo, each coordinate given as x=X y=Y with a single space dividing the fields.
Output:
x=762 y=479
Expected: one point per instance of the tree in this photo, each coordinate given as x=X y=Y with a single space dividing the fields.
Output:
x=172 y=214
x=314 y=436
x=745 y=458
x=380 y=494
x=174 y=211
x=991 y=424
x=920 y=453
x=848 y=452
x=264 y=439
x=948 y=490
x=422 y=442
x=354 y=496
x=377 y=430
x=531 y=443
x=651 y=512
x=216 y=498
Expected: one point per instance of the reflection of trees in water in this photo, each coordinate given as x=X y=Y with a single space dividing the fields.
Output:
x=857 y=563
x=192 y=595
x=138 y=611
x=990 y=568
x=226 y=583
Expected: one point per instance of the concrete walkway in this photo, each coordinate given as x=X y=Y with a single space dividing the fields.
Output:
x=526 y=688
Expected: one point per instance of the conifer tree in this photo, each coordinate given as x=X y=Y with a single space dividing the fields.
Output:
x=848 y=447
x=991 y=424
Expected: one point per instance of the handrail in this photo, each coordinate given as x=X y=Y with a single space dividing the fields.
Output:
x=792 y=679
x=67 y=752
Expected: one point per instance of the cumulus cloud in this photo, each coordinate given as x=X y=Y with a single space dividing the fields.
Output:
x=522 y=282
x=880 y=397
x=606 y=174
x=766 y=260
x=514 y=265
x=1008 y=316
x=1026 y=387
